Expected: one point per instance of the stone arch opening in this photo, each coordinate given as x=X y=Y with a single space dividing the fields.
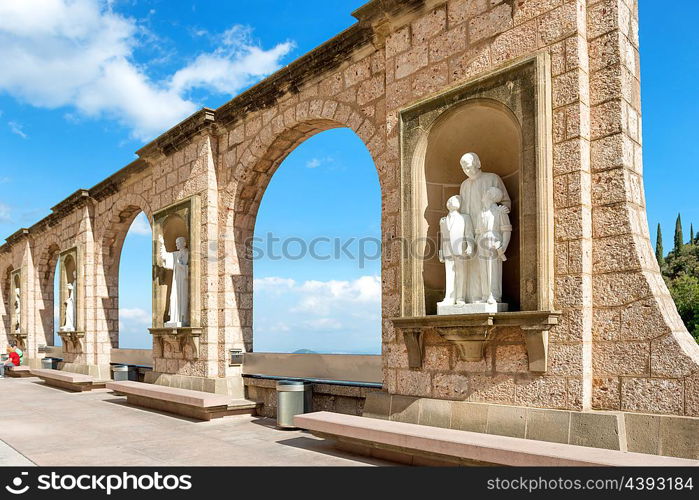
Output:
x=113 y=235
x=46 y=274
x=491 y=130
x=307 y=296
x=248 y=181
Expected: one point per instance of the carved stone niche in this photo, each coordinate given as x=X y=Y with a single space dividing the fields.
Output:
x=181 y=219
x=470 y=332
x=504 y=117
x=17 y=326
x=69 y=273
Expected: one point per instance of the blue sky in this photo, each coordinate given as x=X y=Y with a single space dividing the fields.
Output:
x=85 y=83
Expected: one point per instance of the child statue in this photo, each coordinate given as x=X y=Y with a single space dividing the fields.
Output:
x=456 y=234
x=493 y=232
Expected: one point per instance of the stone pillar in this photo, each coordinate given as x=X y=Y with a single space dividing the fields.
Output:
x=643 y=358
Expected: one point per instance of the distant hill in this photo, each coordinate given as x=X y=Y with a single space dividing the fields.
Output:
x=304 y=351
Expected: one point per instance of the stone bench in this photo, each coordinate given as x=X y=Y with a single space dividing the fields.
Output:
x=425 y=445
x=18 y=371
x=67 y=380
x=185 y=402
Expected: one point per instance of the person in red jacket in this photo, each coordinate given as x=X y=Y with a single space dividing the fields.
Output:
x=13 y=360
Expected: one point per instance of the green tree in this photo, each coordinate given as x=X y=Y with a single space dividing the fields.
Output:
x=659 y=247
x=681 y=273
x=685 y=293
x=678 y=233
x=691 y=234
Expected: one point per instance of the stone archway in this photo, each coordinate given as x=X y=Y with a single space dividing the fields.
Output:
x=248 y=173
x=110 y=235
x=46 y=270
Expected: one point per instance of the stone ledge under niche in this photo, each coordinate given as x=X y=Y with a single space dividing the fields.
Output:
x=183 y=334
x=470 y=332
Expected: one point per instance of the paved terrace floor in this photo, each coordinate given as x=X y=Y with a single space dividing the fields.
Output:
x=52 y=427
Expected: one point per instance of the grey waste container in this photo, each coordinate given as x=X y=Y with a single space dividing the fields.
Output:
x=50 y=363
x=294 y=397
x=121 y=373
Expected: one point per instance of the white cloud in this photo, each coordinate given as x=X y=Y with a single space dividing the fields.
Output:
x=317 y=162
x=326 y=316
x=135 y=315
x=322 y=297
x=16 y=128
x=80 y=54
x=5 y=213
x=273 y=283
x=234 y=65
x=323 y=324
x=141 y=226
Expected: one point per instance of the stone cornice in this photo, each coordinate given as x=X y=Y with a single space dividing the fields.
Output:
x=376 y=11
x=111 y=184
x=75 y=200
x=292 y=77
x=179 y=135
x=17 y=236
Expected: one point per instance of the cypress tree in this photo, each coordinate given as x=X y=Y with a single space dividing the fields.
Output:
x=659 y=247
x=691 y=234
x=678 y=233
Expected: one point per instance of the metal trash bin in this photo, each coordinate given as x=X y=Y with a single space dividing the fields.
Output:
x=50 y=363
x=294 y=397
x=121 y=373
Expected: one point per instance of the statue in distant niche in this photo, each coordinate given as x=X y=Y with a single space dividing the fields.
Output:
x=70 y=305
x=178 y=261
x=486 y=210
x=18 y=309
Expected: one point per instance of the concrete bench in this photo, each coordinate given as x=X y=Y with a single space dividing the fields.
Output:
x=18 y=371
x=423 y=445
x=67 y=380
x=185 y=402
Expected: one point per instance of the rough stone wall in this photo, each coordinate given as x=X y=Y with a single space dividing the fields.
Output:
x=620 y=343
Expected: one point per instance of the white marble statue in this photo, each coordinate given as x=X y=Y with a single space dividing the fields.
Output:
x=471 y=192
x=70 y=305
x=493 y=232
x=18 y=309
x=178 y=261
x=478 y=276
x=457 y=237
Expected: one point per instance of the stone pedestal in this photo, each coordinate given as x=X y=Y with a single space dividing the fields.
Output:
x=483 y=307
